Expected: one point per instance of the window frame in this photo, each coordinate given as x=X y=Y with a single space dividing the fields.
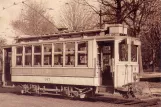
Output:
x=136 y=54
x=58 y=53
x=47 y=53
x=128 y=53
x=19 y=55
x=68 y=52
x=38 y=53
x=85 y=52
x=27 y=54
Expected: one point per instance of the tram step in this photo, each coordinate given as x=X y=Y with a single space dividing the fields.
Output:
x=108 y=89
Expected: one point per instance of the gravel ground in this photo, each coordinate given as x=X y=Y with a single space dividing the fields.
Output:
x=10 y=98
x=13 y=100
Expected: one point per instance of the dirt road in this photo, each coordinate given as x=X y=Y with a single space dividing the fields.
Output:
x=10 y=98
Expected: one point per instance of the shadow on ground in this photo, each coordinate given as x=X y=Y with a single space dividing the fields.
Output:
x=10 y=90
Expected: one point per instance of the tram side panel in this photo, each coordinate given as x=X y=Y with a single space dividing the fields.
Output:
x=68 y=76
x=87 y=76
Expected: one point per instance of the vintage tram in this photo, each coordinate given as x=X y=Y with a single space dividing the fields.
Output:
x=74 y=64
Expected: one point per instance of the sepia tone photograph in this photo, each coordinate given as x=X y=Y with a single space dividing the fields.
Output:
x=80 y=53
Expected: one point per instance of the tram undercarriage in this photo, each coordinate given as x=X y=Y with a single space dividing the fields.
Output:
x=53 y=89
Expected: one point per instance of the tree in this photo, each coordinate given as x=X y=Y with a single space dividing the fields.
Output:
x=133 y=13
x=76 y=16
x=151 y=39
x=34 y=20
x=143 y=19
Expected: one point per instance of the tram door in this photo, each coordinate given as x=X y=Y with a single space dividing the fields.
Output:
x=105 y=57
x=7 y=65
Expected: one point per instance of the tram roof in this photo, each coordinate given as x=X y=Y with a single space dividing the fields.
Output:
x=110 y=30
x=60 y=34
x=98 y=34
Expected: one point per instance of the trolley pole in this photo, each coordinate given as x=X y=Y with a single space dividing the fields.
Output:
x=100 y=15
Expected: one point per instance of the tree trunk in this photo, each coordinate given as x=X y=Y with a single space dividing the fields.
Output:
x=140 y=60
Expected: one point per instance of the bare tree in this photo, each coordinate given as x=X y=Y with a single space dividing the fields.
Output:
x=76 y=16
x=134 y=13
x=151 y=39
x=34 y=20
x=143 y=20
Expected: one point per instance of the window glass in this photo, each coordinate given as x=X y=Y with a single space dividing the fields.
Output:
x=19 y=55
x=37 y=49
x=47 y=54
x=18 y=60
x=47 y=59
x=82 y=59
x=28 y=55
x=37 y=55
x=70 y=59
x=48 y=48
x=123 y=51
x=37 y=59
x=70 y=54
x=82 y=53
x=58 y=47
x=133 y=53
x=58 y=54
x=82 y=46
x=19 y=50
x=58 y=59
x=28 y=49
x=28 y=59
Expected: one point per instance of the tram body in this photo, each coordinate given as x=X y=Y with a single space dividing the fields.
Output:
x=73 y=63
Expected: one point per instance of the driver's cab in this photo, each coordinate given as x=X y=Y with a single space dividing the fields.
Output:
x=126 y=61
x=118 y=60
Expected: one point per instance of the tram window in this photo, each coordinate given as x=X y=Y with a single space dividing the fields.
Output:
x=37 y=59
x=28 y=49
x=47 y=54
x=82 y=53
x=18 y=60
x=47 y=59
x=28 y=59
x=37 y=55
x=123 y=51
x=47 y=48
x=58 y=47
x=37 y=49
x=19 y=50
x=19 y=55
x=58 y=59
x=82 y=59
x=82 y=46
x=28 y=55
x=70 y=54
x=133 y=53
x=58 y=54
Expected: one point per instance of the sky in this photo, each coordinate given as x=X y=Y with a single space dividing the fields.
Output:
x=10 y=9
